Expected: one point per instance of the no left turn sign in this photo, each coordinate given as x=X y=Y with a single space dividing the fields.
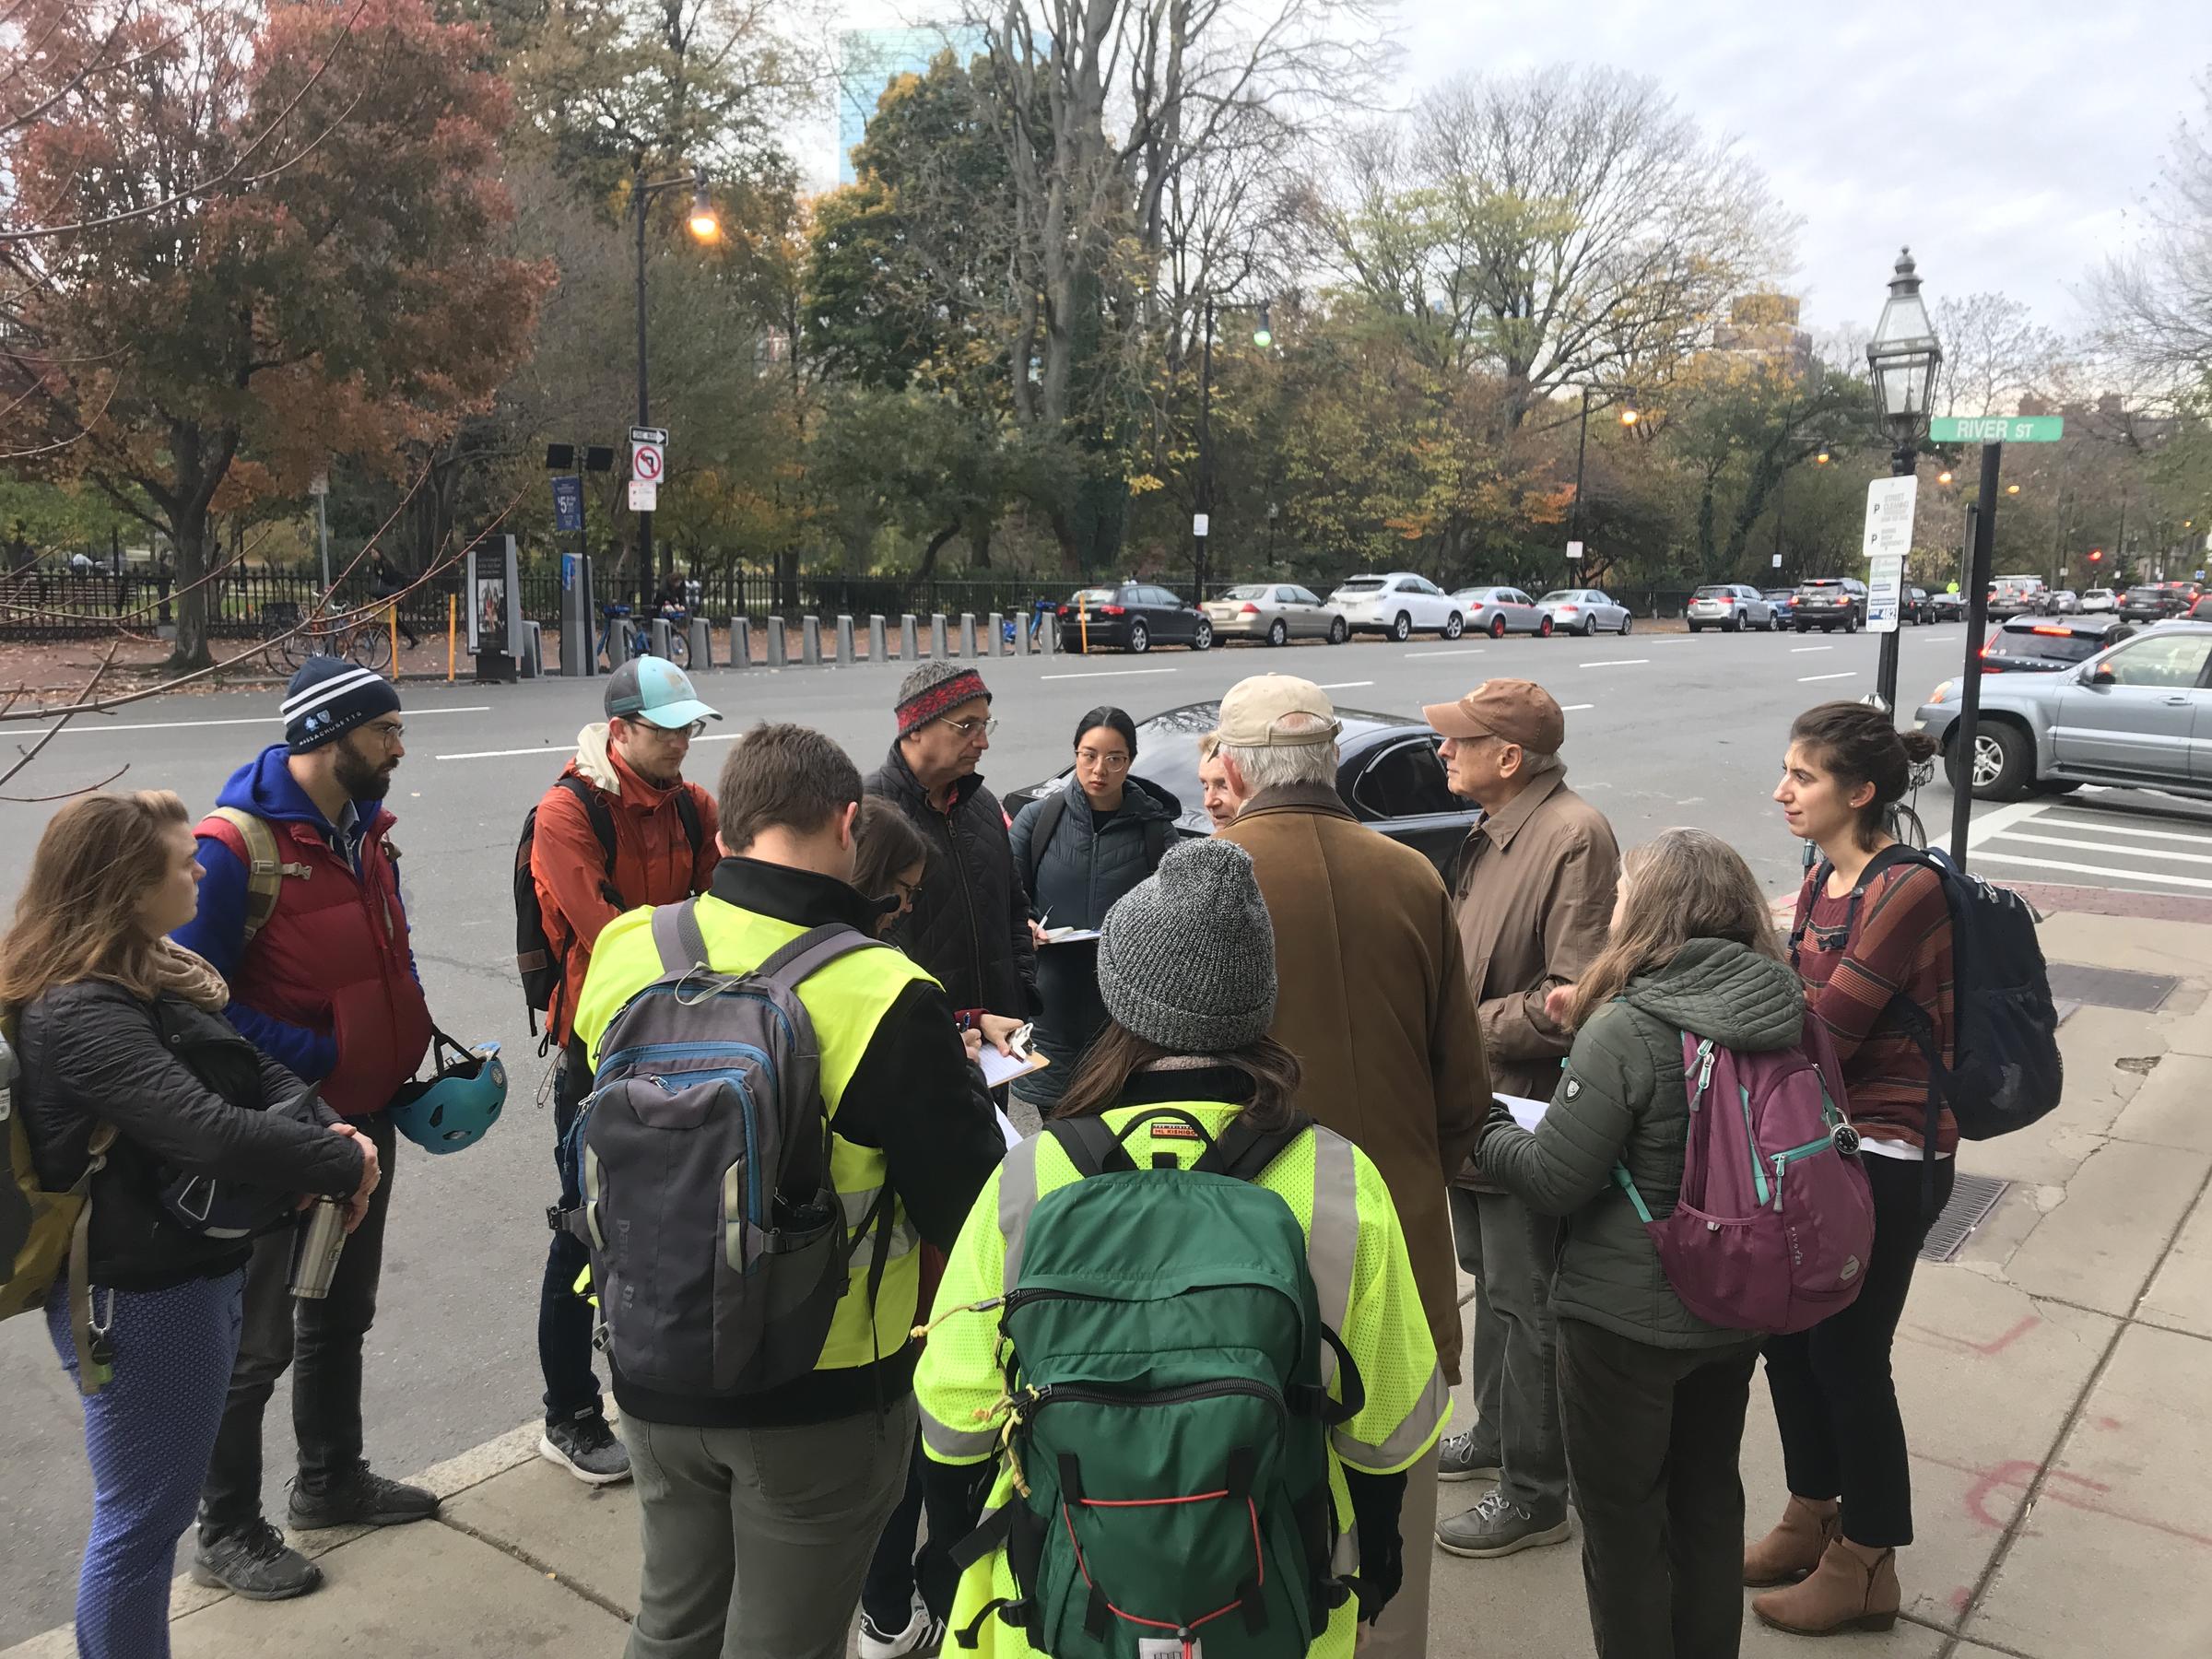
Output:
x=646 y=461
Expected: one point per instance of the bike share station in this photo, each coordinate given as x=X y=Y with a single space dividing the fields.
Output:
x=505 y=646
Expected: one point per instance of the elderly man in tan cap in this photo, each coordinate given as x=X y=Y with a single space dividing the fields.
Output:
x=1373 y=997
x=1536 y=899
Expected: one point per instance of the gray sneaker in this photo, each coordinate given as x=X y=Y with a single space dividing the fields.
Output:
x=1458 y=1459
x=1498 y=1527
x=254 y=1562
x=587 y=1449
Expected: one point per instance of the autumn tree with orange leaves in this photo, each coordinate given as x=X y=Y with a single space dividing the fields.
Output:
x=238 y=240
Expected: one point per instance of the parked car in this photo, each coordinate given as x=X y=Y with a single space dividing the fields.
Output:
x=2136 y=716
x=2016 y=595
x=1387 y=771
x=1784 y=601
x=1400 y=604
x=1499 y=611
x=2100 y=599
x=1915 y=606
x=2063 y=602
x=1828 y=603
x=1584 y=611
x=1730 y=606
x=1276 y=612
x=1947 y=607
x=2201 y=609
x=1133 y=616
x=2041 y=644
x=2149 y=601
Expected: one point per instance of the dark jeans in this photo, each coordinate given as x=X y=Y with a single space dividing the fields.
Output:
x=1834 y=1400
x=564 y=1318
x=321 y=1340
x=1653 y=1435
x=1512 y=1252
x=887 y=1594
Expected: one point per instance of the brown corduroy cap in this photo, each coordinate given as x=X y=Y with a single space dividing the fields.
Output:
x=1518 y=711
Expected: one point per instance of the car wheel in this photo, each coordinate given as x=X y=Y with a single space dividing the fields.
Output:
x=1733 y=625
x=1203 y=638
x=1544 y=629
x=1697 y=627
x=1589 y=630
x=1140 y=641
x=1627 y=623
x=1851 y=623
x=1497 y=627
x=1337 y=631
x=1277 y=632
x=1805 y=628
x=1402 y=629
x=1454 y=625
x=2003 y=763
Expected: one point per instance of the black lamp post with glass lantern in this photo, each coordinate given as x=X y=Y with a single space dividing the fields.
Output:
x=1903 y=358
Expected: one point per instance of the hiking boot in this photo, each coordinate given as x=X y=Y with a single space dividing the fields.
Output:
x=922 y=1636
x=360 y=1496
x=1496 y=1526
x=586 y=1448
x=1852 y=1589
x=1458 y=1459
x=254 y=1562
x=1793 y=1547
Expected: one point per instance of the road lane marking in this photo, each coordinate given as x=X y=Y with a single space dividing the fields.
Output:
x=1571 y=708
x=1799 y=649
x=2086 y=869
x=1806 y=679
x=180 y=726
x=1447 y=650
x=566 y=748
x=2090 y=846
x=1997 y=820
x=1106 y=674
x=1614 y=663
x=1343 y=685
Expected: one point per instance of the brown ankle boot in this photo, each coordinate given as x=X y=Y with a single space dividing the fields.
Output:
x=1845 y=1593
x=1793 y=1548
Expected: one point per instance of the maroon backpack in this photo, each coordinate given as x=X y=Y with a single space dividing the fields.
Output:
x=1775 y=1220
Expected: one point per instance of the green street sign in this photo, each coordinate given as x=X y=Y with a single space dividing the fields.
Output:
x=1996 y=429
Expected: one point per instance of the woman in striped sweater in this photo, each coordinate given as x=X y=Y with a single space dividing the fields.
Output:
x=1859 y=945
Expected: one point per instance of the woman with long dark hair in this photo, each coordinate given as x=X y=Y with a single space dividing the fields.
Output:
x=1872 y=941
x=135 y=1084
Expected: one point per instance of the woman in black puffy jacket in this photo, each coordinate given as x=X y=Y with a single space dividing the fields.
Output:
x=130 y=1071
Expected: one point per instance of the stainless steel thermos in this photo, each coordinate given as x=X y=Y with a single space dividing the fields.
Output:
x=315 y=1249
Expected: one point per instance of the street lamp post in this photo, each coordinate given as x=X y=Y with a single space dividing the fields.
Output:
x=1630 y=416
x=1262 y=335
x=1903 y=356
x=704 y=226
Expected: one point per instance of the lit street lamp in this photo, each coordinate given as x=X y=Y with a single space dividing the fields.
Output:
x=1903 y=358
x=1630 y=416
x=705 y=224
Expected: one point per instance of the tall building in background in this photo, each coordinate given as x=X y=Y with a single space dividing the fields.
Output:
x=868 y=60
x=1765 y=325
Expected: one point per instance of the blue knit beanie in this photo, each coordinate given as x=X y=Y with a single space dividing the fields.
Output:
x=329 y=697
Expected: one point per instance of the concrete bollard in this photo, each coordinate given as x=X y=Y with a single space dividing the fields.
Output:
x=779 y=648
x=994 y=630
x=618 y=642
x=741 y=643
x=1022 y=636
x=664 y=640
x=875 y=650
x=810 y=641
x=909 y=638
x=530 y=662
x=844 y=641
x=1048 y=638
x=968 y=634
x=937 y=635
x=703 y=643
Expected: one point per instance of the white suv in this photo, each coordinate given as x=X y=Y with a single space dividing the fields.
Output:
x=1398 y=602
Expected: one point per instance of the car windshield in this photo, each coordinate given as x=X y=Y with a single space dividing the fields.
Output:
x=1715 y=593
x=1559 y=597
x=1093 y=596
x=1362 y=584
x=1479 y=593
x=2043 y=644
x=1821 y=587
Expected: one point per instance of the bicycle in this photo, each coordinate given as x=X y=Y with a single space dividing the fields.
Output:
x=1901 y=819
x=638 y=632
x=360 y=637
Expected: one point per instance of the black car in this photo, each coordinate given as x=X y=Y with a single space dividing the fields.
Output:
x=1135 y=616
x=2045 y=644
x=1916 y=605
x=2151 y=601
x=1947 y=607
x=1388 y=773
x=1828 y=603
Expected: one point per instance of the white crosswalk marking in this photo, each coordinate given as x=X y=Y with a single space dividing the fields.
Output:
x=2125 y=848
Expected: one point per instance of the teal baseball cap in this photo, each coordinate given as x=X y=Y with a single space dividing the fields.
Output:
x=656 y=692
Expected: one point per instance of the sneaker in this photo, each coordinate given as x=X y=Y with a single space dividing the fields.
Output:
x=358 y=1498
x=1496 y=1526
x=1456 y=1459
x=922 y=1636
x=587 y=1449
x=254 y=1562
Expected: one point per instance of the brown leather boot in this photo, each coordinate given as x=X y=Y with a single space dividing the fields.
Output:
x=1847 y=1592
x=1793 y=1548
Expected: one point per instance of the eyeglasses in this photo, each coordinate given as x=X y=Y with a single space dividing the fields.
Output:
x=908 y=892
x=969 y=728
x=686 y=732
x=1112 y=763
x=390 y=731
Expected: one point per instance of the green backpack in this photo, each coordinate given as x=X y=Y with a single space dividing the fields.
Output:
x=42 y=1233
x=1169 y=1418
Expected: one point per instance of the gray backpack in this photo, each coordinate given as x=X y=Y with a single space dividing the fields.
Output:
x=719 y=1245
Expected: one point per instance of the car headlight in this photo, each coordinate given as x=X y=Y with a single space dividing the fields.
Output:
x=1942 y=694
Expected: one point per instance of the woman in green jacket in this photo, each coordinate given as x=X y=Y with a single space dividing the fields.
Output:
x=1651 y=1397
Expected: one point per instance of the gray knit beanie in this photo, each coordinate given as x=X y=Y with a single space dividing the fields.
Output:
x=1186 y=959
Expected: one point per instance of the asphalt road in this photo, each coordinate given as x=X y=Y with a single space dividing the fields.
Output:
x=1663 y=729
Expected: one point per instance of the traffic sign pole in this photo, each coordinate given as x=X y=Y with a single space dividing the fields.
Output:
x=1970 y=676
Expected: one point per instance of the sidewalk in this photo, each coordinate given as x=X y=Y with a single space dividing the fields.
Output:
x=2055 y=1380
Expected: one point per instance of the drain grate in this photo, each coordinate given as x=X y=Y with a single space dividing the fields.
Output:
x=2110 y=987
x=1972 y=1198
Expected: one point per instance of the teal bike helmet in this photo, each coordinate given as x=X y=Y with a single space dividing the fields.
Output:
x=458 y=1107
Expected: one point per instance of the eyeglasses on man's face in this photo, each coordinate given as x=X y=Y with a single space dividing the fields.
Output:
x=388 y=732
x=684 y=733
x=985 y=725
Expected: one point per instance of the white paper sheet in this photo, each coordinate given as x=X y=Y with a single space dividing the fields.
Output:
x=1526 y=1112
x=1004 y=1068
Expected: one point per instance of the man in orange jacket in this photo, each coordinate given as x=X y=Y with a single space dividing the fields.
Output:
x=619 y=829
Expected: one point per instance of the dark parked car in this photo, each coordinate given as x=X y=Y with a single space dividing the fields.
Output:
x=2044 y=644
x=1784 y=601
x=1387 y=772
x=1947 y=607
x=1917 y=606
x=2151 y=601
x=1828 y=603
x=1136 y=615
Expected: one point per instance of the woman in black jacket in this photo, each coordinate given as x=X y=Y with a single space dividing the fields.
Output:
x=1077 y=852
x=131 y=1072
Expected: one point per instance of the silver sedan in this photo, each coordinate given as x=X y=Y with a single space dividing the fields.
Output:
x=1499 y=611
x=1584 y=611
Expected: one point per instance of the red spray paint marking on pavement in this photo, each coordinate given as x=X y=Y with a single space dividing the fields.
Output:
x=1995 y=1346
x=2076 y=1491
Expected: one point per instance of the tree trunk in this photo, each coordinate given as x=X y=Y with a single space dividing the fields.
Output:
x=195 y=602
x=936 y=544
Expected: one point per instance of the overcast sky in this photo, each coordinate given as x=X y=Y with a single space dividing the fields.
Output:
x=2010 y=143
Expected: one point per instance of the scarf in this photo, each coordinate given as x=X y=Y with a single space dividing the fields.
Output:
x=187 y=974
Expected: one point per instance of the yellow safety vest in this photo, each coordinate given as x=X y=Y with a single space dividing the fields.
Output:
x=1368 y=1296
x=846 y=1001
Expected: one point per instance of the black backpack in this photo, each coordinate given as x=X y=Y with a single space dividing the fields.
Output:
x=2006 y=1071
x=541 y=965
x=1157 y=834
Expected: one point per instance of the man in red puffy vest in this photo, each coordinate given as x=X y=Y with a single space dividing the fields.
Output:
x=300 y=911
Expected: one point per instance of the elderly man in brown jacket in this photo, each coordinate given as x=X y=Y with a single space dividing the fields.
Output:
x=1535 y=900
x=1373 y=997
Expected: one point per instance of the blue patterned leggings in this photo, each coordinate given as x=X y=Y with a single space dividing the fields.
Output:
x=148 y=1434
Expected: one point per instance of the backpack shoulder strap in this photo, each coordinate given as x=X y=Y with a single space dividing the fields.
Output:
x=597 y=811
x=1243 y=1152
x=1049 y=814
x=1091 y=1146
x=687 y=809
x=265 y=868
x=677 y=936
x=812 y=951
